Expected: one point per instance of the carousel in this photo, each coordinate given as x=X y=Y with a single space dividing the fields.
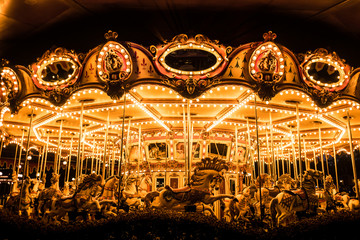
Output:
x=189 y=125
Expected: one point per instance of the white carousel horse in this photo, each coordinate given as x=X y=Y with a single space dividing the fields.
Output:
x=327 y=195
x=21 y=202
x=144 y=185
x=130 y=192
x=352 y=204
x=239 y=207
x=207 y=174
x=266 y=181
x=109 y=196
x=137 y=186
x=48 y=194
x=15 y=187
x=266 y=197
x=68 y=189
x=42 y=183
x=287 y=203
x=268 y=192
x=82 y=201
x=285 y=182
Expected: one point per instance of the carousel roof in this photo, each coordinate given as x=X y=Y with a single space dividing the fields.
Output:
x=152 y=90
x=219 y=80
x=30 y=27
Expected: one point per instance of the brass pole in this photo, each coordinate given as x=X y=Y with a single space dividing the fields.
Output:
x=277 y=163
x=92 y=157
x=78 y=160
x=113 y=160
x=185 y=147
x=267 y=152
x=1 y=146
x=289 y=162
x=352 y=156
x=26 y=172
x=321 y=156
x=46 y=153
x=253 y=173
x=97 y=165
x=69 y=161
x=189 y=142
x=20 y=152
x=121 y=154
x=41 y=150
x=139 y=148
x=305 y=158
x=336 y=170
x=258 y=154
x=105 y=144
x=127 y=145
x=296 y=176
x=83 y=158
x=315 y=166
x=238 y=188
x=282 y=157
x=273 y=162
x=14 y=165
x=58 y=157
x=299 y=142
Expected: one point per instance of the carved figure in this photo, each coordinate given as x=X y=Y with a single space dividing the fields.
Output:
x=287 y=203
x=268 y=62
x=207 y=175
x=113 y=61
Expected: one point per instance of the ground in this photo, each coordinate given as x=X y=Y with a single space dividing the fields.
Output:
x=171 y=225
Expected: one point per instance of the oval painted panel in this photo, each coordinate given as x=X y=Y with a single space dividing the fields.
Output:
x=323 y=72
x=190 y=60
x=57 y=71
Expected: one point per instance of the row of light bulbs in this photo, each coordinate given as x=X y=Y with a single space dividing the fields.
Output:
x=89 y=90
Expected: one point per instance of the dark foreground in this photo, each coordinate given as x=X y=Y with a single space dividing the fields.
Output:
x=169 y=225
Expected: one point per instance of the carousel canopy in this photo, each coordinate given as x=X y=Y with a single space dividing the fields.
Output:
x=157 y=70
x=156 y=91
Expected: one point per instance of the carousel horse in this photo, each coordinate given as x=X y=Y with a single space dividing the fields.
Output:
x=352 y=204
x=268 y=192
x=287 y=203
x=42 y=183
x=326 y=196
x=15 y=185
x=47 y=195
x=130 y=192
x=83 y=201
x=136 y=189
x=34 y=195
x=68 y=189
x=207 y=174
x=240 y=206
x=136 y=186
x=22 y=202
x=285 y=182
x=34 y=188
x=108 y=198
x=266 y=197
x=265 y=180
x=144 y=185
